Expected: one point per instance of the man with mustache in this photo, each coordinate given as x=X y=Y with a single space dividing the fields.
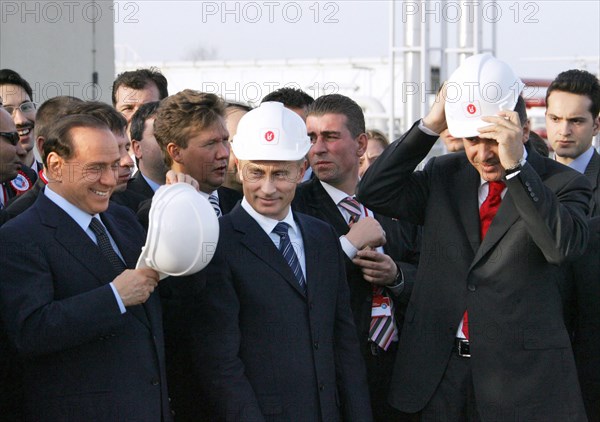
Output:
x=484 y=331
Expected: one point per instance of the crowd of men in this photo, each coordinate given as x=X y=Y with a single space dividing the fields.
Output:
x=347 y=284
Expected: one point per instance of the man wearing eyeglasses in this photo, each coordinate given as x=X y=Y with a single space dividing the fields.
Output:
x=10 y=149
x=16 y=94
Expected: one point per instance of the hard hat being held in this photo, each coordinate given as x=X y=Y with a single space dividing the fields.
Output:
x=183 y=231
x=271 y=132
x=481 y=86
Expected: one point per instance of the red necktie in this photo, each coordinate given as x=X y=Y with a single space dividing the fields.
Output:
x=487 y=211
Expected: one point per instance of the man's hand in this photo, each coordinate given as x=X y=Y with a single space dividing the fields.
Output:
x=366 y=232
x=173 y=177
x=135 y=286
x=377 y=268
x=436 y=118
x=507 y=131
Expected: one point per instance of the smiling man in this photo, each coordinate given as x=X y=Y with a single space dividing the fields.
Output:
x=16 y=94
x=87 y=327
x=279 y=342
x=572 y=121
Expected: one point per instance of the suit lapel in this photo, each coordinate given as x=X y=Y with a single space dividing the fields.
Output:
x=467 y=203
x=507 y=213
x=311 y=254
x=593 y=169
x=324 y=205
x=260 y=244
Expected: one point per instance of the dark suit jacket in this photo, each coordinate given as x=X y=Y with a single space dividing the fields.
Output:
x=585 y=278
x=509 y=282
x=138 y=190
x=20 y=203
x=83 y=359
x=312 y=199
x=592 y=172
x=267 y=350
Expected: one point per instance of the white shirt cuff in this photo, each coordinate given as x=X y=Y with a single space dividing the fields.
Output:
x=119 y=300
x=426 y=130
x=348 y=247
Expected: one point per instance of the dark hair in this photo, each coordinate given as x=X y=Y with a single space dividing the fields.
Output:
x=378 y=136
x=111 y=117
x=59 y=138
x=340 y=104
x=521 y=110
x=290 y=97
x=138 y=120
x=50 y=111
x=139 y=79
x=578 y=82
x=9 y=76
x=183 y=114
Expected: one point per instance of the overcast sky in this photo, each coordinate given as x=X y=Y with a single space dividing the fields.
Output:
x=538 y=38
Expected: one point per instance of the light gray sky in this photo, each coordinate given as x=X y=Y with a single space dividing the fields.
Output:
x=552 y=32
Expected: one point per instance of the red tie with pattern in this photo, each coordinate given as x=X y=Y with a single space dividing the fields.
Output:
x=487 y=211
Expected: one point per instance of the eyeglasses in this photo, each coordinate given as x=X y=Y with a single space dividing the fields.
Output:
x=13 y=137
x=26 y=107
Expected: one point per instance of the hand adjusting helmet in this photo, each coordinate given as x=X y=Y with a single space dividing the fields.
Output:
x=481 y=86
x=183 y=232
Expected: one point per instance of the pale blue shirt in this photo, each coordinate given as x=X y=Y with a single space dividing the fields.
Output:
x=268 y=224
x=83 y=220
x=581 y=162
x=153 y=185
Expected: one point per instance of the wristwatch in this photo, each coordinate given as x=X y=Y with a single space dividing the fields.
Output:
x=514 y=170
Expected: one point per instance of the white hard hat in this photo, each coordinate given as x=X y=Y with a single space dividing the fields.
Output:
x=271 y=132
x=183 y=232
x=481 y=86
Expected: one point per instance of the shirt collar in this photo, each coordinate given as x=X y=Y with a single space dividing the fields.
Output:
x=581 y=162
x=82 y=218
x=267 y=223
x=153 y=185
x=335 y=194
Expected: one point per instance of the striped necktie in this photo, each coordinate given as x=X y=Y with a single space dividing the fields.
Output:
x=353 y=207
x=287 y=250
x=214 y=201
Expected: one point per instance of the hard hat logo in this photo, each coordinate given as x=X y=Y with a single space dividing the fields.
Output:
x=472 y=109
x=269 y=136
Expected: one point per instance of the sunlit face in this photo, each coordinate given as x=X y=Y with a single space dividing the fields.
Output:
x=10 y=163
x=129 y=100
x=269 y=186
x=570 y=124
x=88 y=178
x=374 y=150
x=206 y=156
x=14 y=96
x=335 y=153
x=483 y=155
x=125 y=163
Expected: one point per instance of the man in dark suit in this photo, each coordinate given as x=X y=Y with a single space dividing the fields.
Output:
x=190 y=130
x=336 y=126
x=484 y=330
x=572 y=121
x=278 y=341
x=89 y=330
x=149 y=159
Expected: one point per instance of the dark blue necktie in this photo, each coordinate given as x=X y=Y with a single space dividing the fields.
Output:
x=105 y=246
x=287 y=250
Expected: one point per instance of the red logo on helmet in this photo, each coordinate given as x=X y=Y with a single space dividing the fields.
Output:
x=471 y=109
x=269 y=136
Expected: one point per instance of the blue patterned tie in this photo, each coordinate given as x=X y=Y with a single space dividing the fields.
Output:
x=214 y=201
x=287 y=250
x=105 y=246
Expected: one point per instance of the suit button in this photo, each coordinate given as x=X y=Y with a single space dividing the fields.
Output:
x=310 y=305
x=527 y=184
x=155 y=382
x=316 y=344
x=471 y=287
x=321 y=387
x=532 y=194
x=535 y=199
